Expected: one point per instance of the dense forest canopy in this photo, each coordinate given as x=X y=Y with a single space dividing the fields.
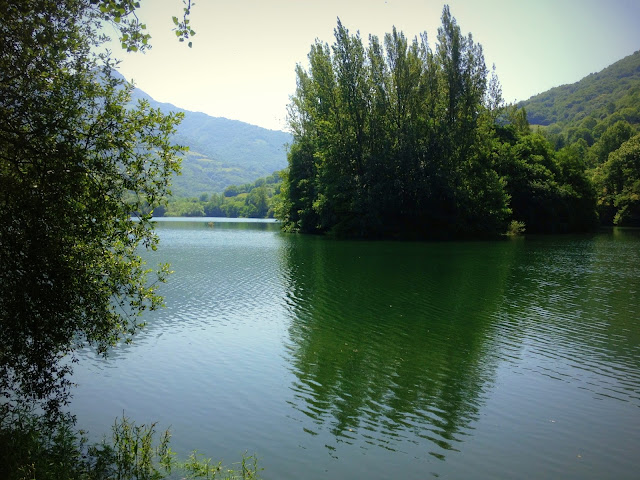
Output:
x=249 y=200
x=597 y=120
x=398 y=139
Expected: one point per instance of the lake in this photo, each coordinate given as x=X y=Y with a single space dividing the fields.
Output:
x=377 y=360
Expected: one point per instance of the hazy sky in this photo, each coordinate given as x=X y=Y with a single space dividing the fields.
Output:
x=242 y=64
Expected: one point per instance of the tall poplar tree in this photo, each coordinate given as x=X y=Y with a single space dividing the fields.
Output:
x=389 y=141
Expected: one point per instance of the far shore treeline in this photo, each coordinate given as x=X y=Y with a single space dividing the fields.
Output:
x=396 y=139
x=250 y=200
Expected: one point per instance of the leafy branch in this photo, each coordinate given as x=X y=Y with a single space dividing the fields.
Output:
x=183 y=28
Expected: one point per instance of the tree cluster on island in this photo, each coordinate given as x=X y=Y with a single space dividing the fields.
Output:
x=396 y=139
x=577 y=134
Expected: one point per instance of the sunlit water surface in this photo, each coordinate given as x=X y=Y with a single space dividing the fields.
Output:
x=379 y=360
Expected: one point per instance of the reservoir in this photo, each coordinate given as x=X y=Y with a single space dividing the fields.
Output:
x=341 y=359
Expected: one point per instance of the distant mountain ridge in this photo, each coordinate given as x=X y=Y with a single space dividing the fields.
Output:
x=613 y=89
x=222 y=152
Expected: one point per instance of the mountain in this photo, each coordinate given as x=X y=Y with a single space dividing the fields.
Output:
x=222 y=152
x=616 y=89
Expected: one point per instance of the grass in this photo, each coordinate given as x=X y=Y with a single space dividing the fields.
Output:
x=515 y=228
x=34 y=447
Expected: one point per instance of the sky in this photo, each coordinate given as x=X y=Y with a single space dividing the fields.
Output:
x=244 y=54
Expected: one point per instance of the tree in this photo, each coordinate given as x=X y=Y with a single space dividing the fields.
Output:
x=256 y=203
x=76 y=164
x=618 y=180
x=388 y=141
x=578 y=191
x=549 y=191
x=610 y=140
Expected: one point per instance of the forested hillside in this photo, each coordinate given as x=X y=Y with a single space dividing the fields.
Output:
x=222 y=152
x=225 y=152
x=616 y=89
x=597 y=120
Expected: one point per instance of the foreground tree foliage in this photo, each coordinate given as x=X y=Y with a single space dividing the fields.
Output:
x=403 y=140
x=75 y=163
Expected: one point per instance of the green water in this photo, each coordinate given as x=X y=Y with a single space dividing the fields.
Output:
x=352 y=359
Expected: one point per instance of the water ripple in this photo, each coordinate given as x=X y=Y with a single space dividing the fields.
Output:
x=368 y=359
